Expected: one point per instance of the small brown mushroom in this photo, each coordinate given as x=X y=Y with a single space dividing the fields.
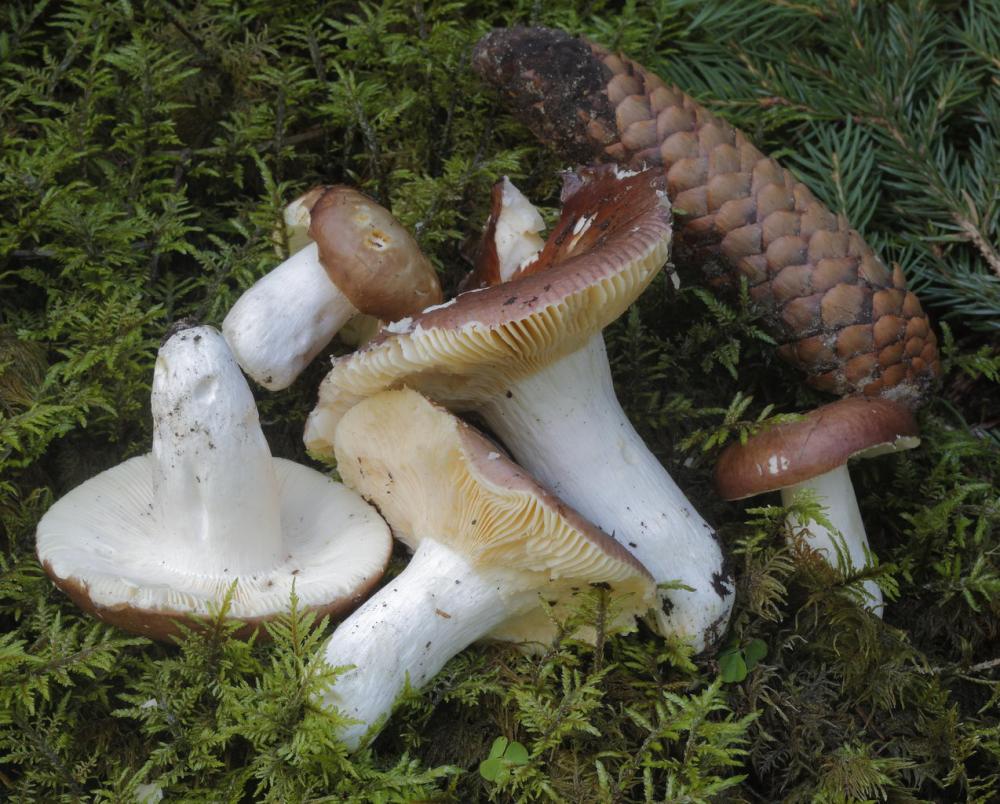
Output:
x=812 y=453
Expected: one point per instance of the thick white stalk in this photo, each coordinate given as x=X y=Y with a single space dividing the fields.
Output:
x=432 y=610
x=836 y=492
x=565 y=425
x=214 y=491
x=280 y=324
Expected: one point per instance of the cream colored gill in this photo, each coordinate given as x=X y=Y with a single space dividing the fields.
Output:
x=408 y=457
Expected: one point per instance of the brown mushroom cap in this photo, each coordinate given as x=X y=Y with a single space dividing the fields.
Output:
x=819 y=442
x=369 y=255
x=611 y=239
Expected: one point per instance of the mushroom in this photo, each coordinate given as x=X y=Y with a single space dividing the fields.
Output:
x=356 y=258
x=528 y=355
x=163 y=536
x=812 y=453
x=488 y=542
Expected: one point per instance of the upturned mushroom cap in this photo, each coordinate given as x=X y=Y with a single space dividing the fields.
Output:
x=369 y=255
x=611 y=239
x=433 y=476
x=163 y=536
x=820 y=441
x=100 y=546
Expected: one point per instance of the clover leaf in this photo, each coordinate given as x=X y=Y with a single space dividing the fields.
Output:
x=503 y=754
x=735 y=663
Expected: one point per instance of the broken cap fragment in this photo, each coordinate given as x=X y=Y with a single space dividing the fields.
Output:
x=528 y=355
x=812 y=453
x=163 y=536
x=355 y=258
x=510 y=239
x=488 y=541
x=296 y=218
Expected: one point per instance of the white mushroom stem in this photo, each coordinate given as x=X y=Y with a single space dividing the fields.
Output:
x=431 y=611
x=835 y=491
x=280 y=324
x=215 y=497
x=565 y=425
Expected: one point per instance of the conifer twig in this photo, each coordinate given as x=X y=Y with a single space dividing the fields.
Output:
x=316 y=56
x=989 y=664
x=977 y=238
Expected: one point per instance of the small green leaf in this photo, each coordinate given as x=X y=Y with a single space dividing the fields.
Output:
x=499 y=746
x=490 y=768
x=755 y=650
x=732 y=666
x=516 y=754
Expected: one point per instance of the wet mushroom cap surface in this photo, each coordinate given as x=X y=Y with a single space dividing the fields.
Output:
x=369 y=255
x=612 y=238
x=822 y=440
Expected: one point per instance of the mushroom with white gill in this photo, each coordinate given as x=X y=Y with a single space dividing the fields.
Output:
x=488 y=542
x=163 y=536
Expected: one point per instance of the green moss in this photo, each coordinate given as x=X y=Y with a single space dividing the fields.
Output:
x=146 y=149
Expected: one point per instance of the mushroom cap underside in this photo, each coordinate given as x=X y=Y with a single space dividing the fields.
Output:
x=463 y=353
x=819 y=442
x=433 y=476
x=101 y=545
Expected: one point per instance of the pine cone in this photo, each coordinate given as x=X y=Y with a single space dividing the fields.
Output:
x=838 y=312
